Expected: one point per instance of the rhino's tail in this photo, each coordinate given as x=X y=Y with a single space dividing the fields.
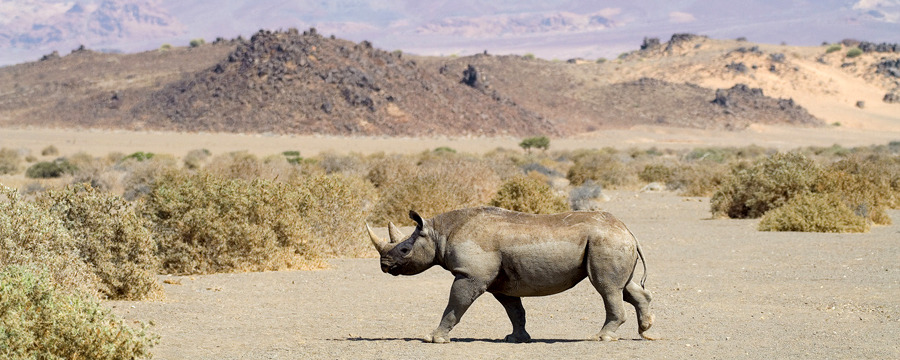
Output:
x=641 y=256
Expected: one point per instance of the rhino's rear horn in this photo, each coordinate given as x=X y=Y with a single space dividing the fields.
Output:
x=379 y=244
x=394 y=233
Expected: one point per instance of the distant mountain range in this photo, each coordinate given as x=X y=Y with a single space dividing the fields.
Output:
x=548 y=29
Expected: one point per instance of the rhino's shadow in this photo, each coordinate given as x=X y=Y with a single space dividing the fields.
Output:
x=466 y=340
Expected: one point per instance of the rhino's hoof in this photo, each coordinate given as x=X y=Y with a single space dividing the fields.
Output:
x=436 y=339
x=647 y=336
x=605 y=337
x=516 y=339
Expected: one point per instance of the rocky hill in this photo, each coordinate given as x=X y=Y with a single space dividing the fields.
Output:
x=287 y=82
x=292 y=82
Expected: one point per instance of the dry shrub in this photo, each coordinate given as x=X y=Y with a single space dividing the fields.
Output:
x=867 y=199
x=881 y=171
x=97 y=172
x=111 y=238
x=530 y=194
x=656 y=172
x=30 y=236
x=350 y=164
x=10 y=161
x=335 y=208
x=813 y=212
x=700 y=178
x=140 y=176
x=195 y=159
x=587 y=196
x=205 y=223
x=433 y=187
x=603 y=167
x=39 y=319
x=387 y=171
x=768 y=184
x=50 y=150
x=245 y=166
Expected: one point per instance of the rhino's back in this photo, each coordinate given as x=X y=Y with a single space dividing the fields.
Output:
x=536 y=254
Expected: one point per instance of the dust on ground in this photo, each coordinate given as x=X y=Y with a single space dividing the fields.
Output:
x=721 y=290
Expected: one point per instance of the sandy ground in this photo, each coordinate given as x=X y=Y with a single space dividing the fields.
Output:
x=102 y=142
x=721 y=290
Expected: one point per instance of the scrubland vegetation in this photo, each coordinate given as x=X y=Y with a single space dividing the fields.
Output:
x=103 y=227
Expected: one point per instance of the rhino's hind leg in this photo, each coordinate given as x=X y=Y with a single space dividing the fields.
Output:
x=640 y=298
x=462 y=294
x=615 y=311
x=516 y=312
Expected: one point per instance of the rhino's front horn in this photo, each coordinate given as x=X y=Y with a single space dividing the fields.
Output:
x=379 y=244
x=394 y=233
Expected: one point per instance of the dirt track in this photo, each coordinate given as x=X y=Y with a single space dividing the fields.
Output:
x=721 y=290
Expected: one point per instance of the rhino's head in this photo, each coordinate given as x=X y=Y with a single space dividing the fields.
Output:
x=406 y=256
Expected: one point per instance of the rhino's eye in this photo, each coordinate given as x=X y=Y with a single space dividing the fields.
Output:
x=404 y=251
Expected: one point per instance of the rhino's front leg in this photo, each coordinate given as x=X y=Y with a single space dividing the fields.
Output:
x=462 y=294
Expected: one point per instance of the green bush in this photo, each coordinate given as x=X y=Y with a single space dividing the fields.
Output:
x=530 y=194
x=50 y=169
x=854 y=52
x=813 y=212
x=111 y=238
x=206 y=223
x=139 y=156
x=768 y=184
x=833 y=47
x=39 y=321
x=10 y=161
x=30 y=236
x=197 y=42
x=528 y=56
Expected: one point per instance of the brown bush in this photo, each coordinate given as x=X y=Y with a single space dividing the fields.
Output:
x=10 y=161
x=433 y=187
x=140 y=176
x=530 y=194
x=205 y=223
x=245 y=166
x=30 y=236
x=768 y=184
x=334 y=208
x=111 y=238
x=813 y=212
x=700 y=178
x=604 y=168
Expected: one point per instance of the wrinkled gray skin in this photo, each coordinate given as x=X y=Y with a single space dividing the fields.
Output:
x=511 y=255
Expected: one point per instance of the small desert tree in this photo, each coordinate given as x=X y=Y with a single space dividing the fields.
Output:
x=538 y=142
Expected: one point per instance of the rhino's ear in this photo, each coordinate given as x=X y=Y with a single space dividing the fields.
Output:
x=418 y=219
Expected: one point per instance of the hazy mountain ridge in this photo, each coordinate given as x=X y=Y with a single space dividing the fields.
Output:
x=37 y=25
x=588 y=29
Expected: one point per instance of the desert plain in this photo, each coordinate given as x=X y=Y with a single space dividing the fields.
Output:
x=722 y=289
